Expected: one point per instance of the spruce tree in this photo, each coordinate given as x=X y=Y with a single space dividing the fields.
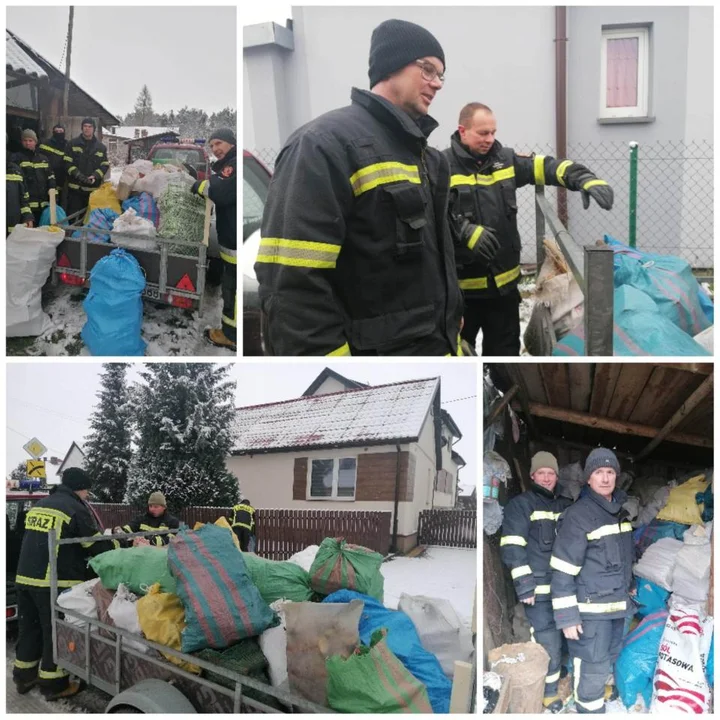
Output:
x=184 y=415
x=143 y=110
x=108 y=448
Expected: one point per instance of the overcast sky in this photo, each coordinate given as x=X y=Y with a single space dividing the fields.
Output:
x=185 y=55
x=53 y=401
x=276 y=12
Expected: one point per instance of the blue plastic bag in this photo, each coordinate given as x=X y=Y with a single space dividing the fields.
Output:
x=60 y=216
x=635 y=667
x=101 y=219
x=145 y=206
x=650 y=597
x=114 y=307
x=646 y=535
x=403 y=640
x=710 y=663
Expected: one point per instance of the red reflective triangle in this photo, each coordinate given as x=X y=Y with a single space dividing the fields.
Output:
x=186 y=284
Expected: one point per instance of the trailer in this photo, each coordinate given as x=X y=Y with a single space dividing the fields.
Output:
x=146 y=682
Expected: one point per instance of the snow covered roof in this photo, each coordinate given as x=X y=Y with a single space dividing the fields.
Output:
x=364 y=416
x=136 y=131
x=19 y=62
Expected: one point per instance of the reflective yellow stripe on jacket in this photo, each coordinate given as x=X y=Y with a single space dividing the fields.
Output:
x=342 y=351
x=372 y=176
x=481 y=283
x=477 y=179
x=298 y=253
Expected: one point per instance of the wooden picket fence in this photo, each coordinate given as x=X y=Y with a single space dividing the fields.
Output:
x=452 y=528
x=281 y=533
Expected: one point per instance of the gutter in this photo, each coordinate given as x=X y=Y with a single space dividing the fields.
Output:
x=393 y=544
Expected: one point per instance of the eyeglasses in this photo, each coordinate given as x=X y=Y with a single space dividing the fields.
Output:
x=430 y=72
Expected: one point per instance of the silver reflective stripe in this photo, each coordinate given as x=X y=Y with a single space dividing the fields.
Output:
x=544 y=515
x=553 y=678
x=610 y=607
x=606 y=530
x=565 y=567
x=542 y=589
x=520 y=571
x=564 y=602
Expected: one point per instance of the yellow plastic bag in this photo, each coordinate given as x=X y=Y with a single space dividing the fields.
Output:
x=681 y=506
x=103 y=197
x=223 y=523
x=162 y=620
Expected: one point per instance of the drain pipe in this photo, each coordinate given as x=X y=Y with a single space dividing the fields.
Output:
x=394 y=547
x=561 y=101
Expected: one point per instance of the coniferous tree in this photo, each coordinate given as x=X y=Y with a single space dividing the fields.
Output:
x=184 y=417
x=108 y=448
x=143 y=107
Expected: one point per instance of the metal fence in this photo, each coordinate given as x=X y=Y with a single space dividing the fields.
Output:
x=674 y=197
x=453 y=528
x=281 y=533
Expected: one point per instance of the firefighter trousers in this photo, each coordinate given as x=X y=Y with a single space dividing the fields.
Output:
x=499 y=320
x=544 y=632
x=593 y=658
x=77 y=200
x=229 y=293
x=243 y=535
x=34 y=650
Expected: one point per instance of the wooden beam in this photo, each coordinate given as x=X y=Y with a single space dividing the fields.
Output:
x=699 y=368
x=514 y=372
x=501 y=404
x=562 y=442
x=680 y=414
x=619 y=426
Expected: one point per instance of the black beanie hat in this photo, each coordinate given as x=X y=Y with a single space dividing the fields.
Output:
x=600 y=458
x=76 y=479
x=58 y=125
x=397 y=43
x=88 y=121
x=224 y=134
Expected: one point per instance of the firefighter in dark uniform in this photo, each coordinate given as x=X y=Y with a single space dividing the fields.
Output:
x=66 y=512
x=87 y=164
x=243 y=523
x=37 y=174
x=485 y=177
x=528 y=533
x=156 y=518
x=17 y=198
x=357 y=253
x=221 y=188
x=591 y=582
x=55 y=148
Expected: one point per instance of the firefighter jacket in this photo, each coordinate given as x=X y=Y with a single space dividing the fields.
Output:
x=592 y=561
x=55 y=151
x=484 y=189
x=244 y=517
x=38 y=176
x=221 y=188
x=16 y=197
x=84 y=159
x=70 y=517
x=357 y=254
x=148 y=522
x=528 y=533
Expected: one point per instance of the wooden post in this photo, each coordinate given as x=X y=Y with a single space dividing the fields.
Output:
x=66 y=94
x=461 y=688
x=53 y=207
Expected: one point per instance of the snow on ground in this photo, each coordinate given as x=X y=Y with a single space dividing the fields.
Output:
x=448 y=573
x=168 y=331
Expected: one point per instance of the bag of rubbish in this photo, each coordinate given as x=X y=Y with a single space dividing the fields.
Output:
x=572 y=479
x=278 y=580
x=222 y=522
x=60 y=216
x=359 y=683
x=144 y=167
x=635 y=666
x=102 y=198
x=649 y=511
x=222 y=605
x=339 y=564
x=439 y=628
x=492 y=516
x=137 y=567
x=632 y=507
x=650 y=597
x=182 y=213
x=679 y=684
x=706 y=339
x=129 y=177
x=29 y=256
x=154 y=182
x=315 y=632
x=644 y=537
x=124 y=613
x=403 y=641
x=114 y=306
x=682 y=506
x=273 y=643
x=658 y=562
x=101 y=219
x=305 y=558
x=103 y=598
x=496 y=471
x=79 y=598
x=691 y=578
x=143 y=231
x=145 y=207
x=162 y=620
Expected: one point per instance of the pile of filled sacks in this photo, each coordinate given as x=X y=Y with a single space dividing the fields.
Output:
x=313 y=625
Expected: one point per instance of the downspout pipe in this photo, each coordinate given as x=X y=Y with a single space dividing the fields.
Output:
x=394 y=546
x=561 y=101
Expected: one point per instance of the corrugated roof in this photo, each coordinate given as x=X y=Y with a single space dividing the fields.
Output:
x=19 y=62
x=373 y=415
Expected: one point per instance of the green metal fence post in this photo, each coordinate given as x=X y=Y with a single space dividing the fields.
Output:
x=633 y=192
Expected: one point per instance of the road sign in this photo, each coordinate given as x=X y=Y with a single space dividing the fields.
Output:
x=34 y=448
x=35 y=469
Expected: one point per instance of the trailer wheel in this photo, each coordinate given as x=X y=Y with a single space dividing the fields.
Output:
x=151 y=696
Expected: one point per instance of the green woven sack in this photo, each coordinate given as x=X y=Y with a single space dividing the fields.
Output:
x=373 y=680
x=278 y=580
x=340 y=565
x=138 y=568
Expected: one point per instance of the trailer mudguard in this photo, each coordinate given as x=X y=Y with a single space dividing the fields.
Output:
x=152 y=696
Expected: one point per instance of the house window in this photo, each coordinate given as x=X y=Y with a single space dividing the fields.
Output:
x=332 y=479
x=624 y=73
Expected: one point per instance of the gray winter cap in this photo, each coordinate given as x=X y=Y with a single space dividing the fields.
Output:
x=600 y=458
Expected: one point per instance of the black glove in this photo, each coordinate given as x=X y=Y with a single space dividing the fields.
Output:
x=602 y=194
x=486 y=246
